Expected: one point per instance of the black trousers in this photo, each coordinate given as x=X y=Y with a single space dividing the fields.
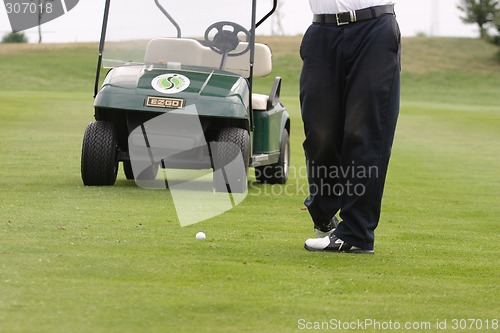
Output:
x=349 y=95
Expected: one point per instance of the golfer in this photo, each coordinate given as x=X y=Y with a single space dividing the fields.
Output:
x=349 y=95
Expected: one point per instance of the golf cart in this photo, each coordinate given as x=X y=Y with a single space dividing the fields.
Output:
x=179 y=94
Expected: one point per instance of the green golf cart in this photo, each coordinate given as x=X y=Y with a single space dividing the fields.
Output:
x=178 y=94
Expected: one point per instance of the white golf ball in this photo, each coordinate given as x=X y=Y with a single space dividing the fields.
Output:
x=201 y=235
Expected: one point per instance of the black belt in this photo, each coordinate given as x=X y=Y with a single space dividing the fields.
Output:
x=353 y=16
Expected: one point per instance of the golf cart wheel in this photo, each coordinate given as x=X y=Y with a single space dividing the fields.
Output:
x=276 y=173
x=231 y=171
x=148 y=174
x=99 y=154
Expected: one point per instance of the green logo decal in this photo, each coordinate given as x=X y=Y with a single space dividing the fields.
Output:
x=170 y=83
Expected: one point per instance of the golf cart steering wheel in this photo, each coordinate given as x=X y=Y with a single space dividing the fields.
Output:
x=226 y=41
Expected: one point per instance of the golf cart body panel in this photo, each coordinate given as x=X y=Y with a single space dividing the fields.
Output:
x=214 y=94
x=194 y=65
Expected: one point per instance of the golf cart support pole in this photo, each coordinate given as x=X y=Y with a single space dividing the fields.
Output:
x=275 y=5
x=252 y=52
x=252 y=59
x=170 y=18
x=101 y=46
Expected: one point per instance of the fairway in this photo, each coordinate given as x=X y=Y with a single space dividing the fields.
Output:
x=115 y=259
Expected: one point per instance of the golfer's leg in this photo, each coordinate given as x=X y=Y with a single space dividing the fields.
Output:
x=372 y=108
x=321 y=113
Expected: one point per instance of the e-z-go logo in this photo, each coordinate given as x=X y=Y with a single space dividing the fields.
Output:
x=25 y=14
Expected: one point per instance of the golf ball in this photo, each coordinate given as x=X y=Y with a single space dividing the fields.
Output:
x=201 y=235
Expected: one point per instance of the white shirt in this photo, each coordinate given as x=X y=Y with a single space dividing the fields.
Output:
x=339 y=6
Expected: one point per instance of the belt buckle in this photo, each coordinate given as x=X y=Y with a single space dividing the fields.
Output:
x=352 y=18
x=339 y=23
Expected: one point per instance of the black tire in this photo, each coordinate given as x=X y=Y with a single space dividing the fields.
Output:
x=276 y=173
x=148 y=174
x=230 y=142
x=99 y=154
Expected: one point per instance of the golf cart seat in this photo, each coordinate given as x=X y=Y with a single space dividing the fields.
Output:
x=261 y=102
x=190 y=52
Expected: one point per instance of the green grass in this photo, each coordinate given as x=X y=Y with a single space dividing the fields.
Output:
x=115 y=259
